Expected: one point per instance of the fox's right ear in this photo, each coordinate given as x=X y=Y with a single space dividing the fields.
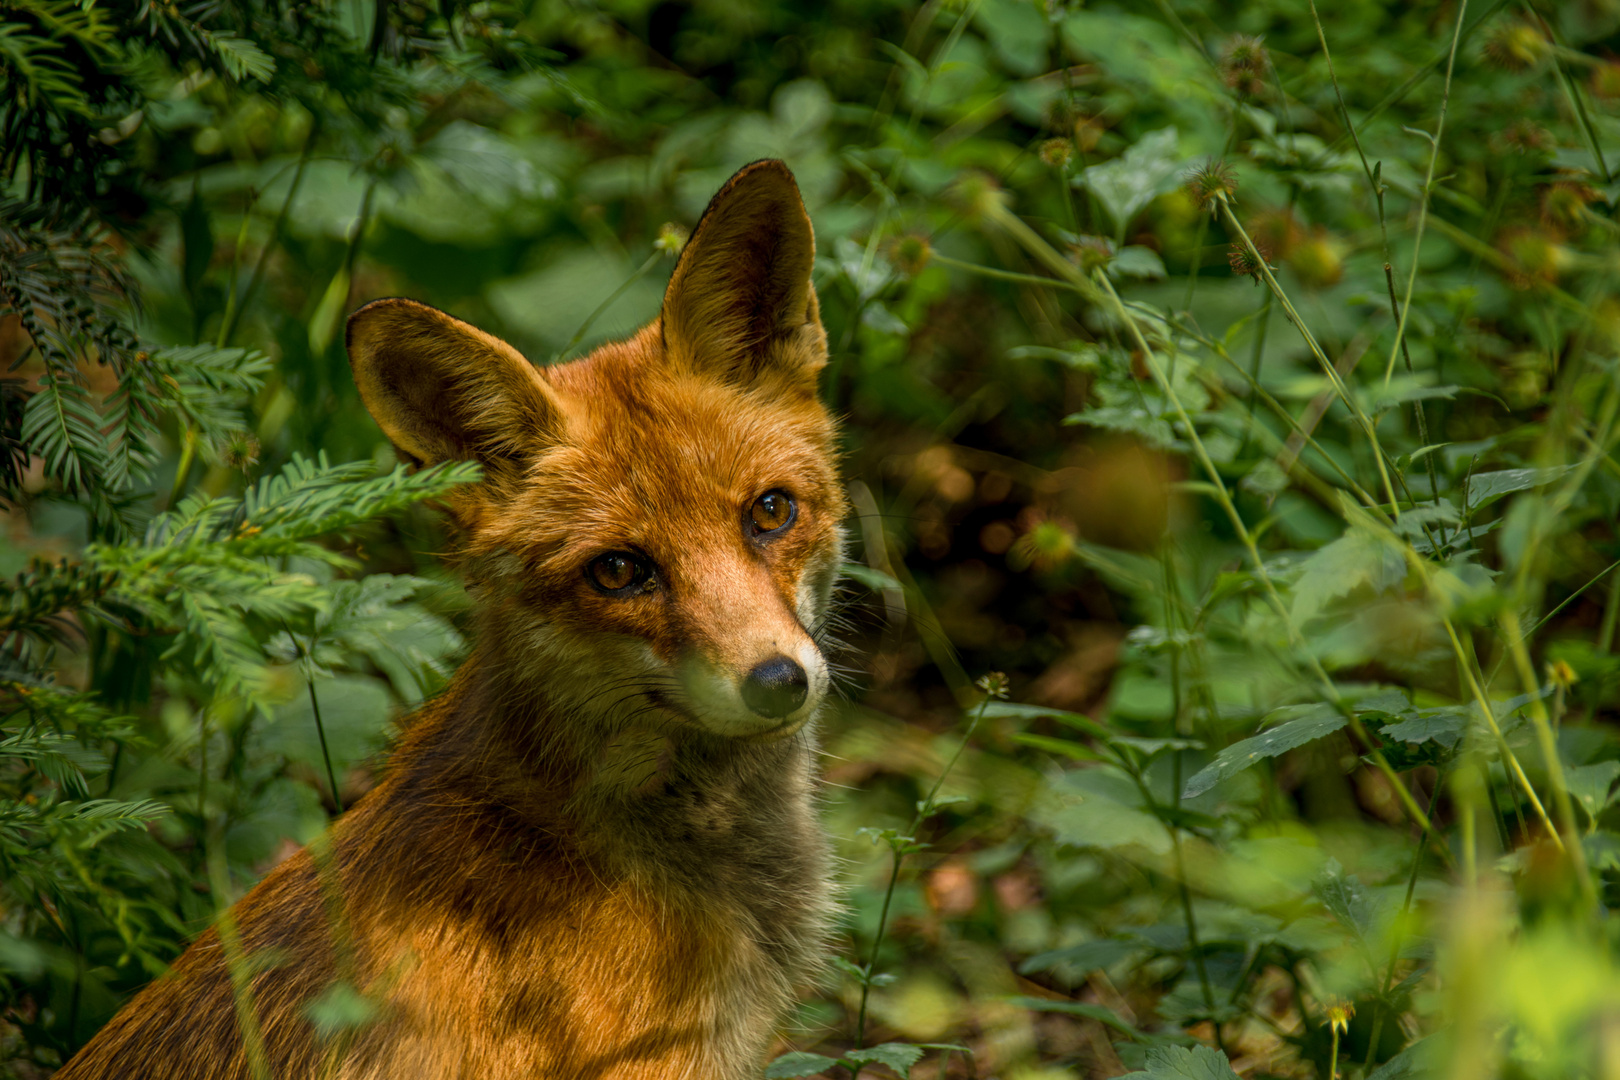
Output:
x=443 y=390
x=740 y=305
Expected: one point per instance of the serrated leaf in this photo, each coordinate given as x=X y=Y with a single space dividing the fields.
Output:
x=1099 y=808
x=1346 y=899
x=798 y=1063
x=1444 y=725
x=1301 y=724
x=1184 y=1063
x=898 y=1056
x=1356 y=559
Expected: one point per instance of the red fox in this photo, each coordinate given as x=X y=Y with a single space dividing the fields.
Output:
x=595 y=855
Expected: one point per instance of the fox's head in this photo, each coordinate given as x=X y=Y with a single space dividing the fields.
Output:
x=658 y=523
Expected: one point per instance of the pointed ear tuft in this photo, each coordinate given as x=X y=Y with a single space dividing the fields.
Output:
x=740 y=303
x=443 y=390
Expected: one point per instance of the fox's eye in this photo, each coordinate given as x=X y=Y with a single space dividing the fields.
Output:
x=617 y=571
x=771 y=512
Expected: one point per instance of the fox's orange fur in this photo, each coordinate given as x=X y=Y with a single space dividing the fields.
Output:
x=591 y=857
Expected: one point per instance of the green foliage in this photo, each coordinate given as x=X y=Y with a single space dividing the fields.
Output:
x=1301 y=570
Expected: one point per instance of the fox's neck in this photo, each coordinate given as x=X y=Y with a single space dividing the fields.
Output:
x=626 y=782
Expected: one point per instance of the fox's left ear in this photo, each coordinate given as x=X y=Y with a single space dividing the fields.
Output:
x=740 y=305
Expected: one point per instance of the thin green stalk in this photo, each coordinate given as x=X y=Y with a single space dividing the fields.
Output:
x=1423 y=195
x=1316 y=350
x=590 y=320
x=1611 y=616
x=237 y=306
x=320 y=727
x=1509 y=760
x=899 y=846
x=1509 y=620
x=1329 y=690
x=1255 y=355
x=1379 y=1005
x=1171 y=605
x=1002 y=275
x=236 y=962
x=1571 y=92
x=236 y=265
x=1395 y=96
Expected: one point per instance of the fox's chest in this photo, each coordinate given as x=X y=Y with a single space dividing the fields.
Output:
x=613 y=981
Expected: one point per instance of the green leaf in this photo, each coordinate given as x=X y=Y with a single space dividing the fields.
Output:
x=1128 y=183
x=798 y=1063
x=1100 y=1013
x=1084 y=958
x=1301 y=724
x=876 y=580
x=1136 y=261
x=1590 y=785
x=1358 y=558
x=1099 y=808
x=241 y=57
x=1444 y=725
x=1413 y=1063
x=1486 y=488
x=898 y=1056
x=1012 y=710
x=1184 y=1063
x=341 y=1008
x=1346 y=899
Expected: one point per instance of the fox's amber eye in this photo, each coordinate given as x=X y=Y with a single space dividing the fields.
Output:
x=617 y=571
x=772 y=511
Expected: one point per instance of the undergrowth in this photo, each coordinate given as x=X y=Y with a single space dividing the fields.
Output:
x=1230 y=394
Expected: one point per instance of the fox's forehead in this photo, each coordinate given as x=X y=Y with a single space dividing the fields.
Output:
x=650 y=458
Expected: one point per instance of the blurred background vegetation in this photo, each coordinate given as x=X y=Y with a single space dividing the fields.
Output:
x=1244 y=387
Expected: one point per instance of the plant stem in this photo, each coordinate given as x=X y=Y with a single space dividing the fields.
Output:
x=590 y=320
x=1327 y=365
x=925 y=808
x=1329 y=690
x=1423 y=195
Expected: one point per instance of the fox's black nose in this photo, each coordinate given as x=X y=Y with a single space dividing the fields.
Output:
x=776 y=687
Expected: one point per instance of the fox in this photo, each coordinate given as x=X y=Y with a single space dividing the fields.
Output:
x=595 y=855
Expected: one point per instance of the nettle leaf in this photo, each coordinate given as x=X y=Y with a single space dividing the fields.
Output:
x=1184 y=1063
x=798 y=1063
x=1358 y=558
x=1444 y=725
x=1346 y=899
x=898 y=1056
x=1301 y=724
x=1099 y=808
x=1486 y=488
x=1135 y=178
